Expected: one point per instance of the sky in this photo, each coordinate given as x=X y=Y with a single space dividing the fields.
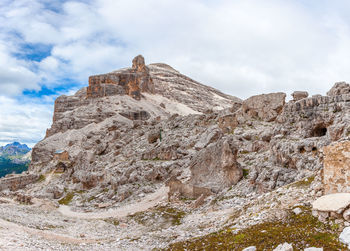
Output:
x=241 y=47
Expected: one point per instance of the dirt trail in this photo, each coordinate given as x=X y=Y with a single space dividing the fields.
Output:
x=147 y=202
x=49 y=177
x=13 y=227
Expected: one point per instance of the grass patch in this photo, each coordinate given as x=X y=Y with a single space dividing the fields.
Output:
x=41 y=178
x=112 y=221
x=301 y=231
x=67 y=199
x=245 y=173
x=159 y=216
x=304 y=183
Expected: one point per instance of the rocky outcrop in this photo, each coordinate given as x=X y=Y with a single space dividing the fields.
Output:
x=339 y=89
x=298 y=95
x=336 y=167
x=265 y=106
x=215 y=167
x=125 y=82
x=17 y=181
x=138 y=93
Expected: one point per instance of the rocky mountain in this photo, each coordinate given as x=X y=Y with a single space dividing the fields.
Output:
x=14 y=158
x=146 y=158
x=14 y=149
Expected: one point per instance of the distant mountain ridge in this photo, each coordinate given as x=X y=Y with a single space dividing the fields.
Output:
x=14 y=158
x=14 y=148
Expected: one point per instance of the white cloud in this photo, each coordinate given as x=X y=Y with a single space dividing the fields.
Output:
x=24 y=121
x=243 y=47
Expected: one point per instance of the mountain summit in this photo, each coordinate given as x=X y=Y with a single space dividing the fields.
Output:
x=14 y=148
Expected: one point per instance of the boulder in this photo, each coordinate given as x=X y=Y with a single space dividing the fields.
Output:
x=345 y=236
x=215 y=166
x=298 y=95
x=313 y=249
x=336 y=202
x=153 y=136
x=265 y=106
x=297 y=211
x=284 y=247
x=209 y=136
x=339 y=88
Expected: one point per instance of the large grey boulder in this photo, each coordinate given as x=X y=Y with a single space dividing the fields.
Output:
x=265 y=106
x=335 y=202
x=209 y=136
x=215 y=166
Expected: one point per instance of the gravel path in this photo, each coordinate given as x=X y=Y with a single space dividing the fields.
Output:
x=147 y=202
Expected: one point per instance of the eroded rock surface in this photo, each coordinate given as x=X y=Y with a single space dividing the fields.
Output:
x=336 y=171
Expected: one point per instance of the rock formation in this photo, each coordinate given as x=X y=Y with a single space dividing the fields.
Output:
x=125 y=82
x=336 y=168
x=138 y=134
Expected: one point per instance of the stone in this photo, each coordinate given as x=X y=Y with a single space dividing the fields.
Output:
x=297 y=211
x=336 y=167
x=176 y=187
x=313 y=249
x=153 y=136
x=265 y=106
x=346 y=215
x=284 y=247
x=251 y=248
x=215 y=166
x=339 y=88
x=298 y=95
x=209 y=136
x=18 y=181
x=104 y=205
x=344 y=236
x=336 y=202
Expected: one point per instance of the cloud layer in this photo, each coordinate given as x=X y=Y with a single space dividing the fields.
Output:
x=242 y=47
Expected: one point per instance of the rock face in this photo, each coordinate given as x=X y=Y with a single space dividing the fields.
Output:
x=18 y=181
x=336 y=170
x=215 y=167
x=139 y=93
x=339 y=89
x=264 y=106
x=163 y=127
x=125 y=82
x=298 y=95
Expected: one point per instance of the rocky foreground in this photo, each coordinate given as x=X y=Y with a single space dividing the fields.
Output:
x=146 y=158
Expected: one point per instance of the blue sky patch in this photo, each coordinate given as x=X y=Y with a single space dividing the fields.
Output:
x=34 y=52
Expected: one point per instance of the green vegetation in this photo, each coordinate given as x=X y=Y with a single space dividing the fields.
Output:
x=301 y=230
x=112 y=221
x=41 y=178
x=304 y=183
x=163 y=214
x=7 y=166
x=245 y=172
x=67 y=199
